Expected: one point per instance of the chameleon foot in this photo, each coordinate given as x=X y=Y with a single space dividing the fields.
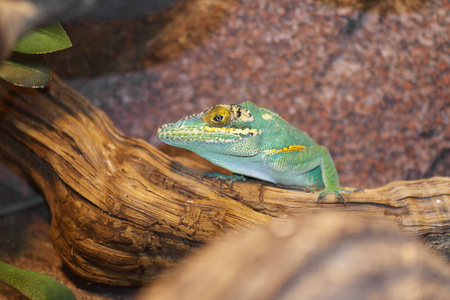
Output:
x=219 y=176
x=337 y=192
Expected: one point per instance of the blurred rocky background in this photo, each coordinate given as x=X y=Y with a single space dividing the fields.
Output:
x=370 y=80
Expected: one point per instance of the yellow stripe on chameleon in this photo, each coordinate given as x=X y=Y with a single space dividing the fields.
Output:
x=291 y=148
x=231 y=130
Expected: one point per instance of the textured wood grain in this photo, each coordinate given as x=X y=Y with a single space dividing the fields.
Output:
x=418 y=207
x=122 y=211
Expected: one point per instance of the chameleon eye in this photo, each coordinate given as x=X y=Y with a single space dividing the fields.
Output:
x=218 y=116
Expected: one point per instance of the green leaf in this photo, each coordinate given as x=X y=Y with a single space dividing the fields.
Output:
x=34 y=285
x=25 y=70
x=42 y=40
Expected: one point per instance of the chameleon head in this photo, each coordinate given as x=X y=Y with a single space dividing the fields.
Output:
x=216 y=129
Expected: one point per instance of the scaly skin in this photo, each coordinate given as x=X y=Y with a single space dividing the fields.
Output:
x=255 y=142
x=34 y=285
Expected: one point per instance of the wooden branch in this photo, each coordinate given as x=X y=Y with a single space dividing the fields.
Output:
x=318 y=257
x=122 y=211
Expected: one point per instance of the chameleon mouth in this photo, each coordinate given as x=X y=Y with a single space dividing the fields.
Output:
x=203 y=134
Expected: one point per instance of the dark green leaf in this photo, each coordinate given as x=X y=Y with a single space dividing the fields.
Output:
x=34 y=285
x=25 y=70
x=42 y=40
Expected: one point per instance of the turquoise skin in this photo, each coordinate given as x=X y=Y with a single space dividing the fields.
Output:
x=253 y=141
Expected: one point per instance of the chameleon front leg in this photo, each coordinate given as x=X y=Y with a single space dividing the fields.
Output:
x=318 y=156
x=219 y=176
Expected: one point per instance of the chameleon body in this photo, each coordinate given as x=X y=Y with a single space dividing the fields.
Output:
x=253 y=141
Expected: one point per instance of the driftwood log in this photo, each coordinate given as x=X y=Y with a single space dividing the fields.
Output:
x=122 y=211
x=318 y=257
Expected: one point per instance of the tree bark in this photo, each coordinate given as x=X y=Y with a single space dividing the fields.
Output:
x=122 y=211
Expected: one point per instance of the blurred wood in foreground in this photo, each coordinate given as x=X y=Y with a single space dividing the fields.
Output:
x=320 y=257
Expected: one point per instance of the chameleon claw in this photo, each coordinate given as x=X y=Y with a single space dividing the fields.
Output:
x=230 y=184
x=320 y=198
x=310 y=190
x=340 y=197
x=352 y=191
x=337 y=192
x=324 y=194
x=219 y=176
x=201 y=177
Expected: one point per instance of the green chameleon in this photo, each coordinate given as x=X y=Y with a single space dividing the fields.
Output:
x=34 y=285
x=253 y=141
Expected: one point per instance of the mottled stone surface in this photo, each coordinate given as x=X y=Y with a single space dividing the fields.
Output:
x=373 y=88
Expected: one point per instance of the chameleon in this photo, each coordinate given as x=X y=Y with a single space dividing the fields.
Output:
x=255 y=142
